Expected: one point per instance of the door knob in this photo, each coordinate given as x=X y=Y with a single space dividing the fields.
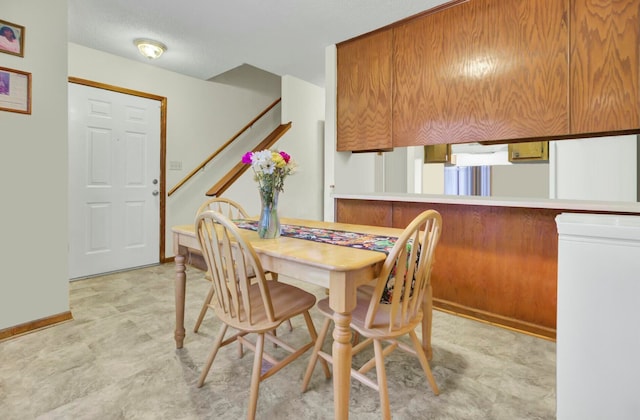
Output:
x=155 y=192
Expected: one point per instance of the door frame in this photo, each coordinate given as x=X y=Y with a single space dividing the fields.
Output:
x=163 y=146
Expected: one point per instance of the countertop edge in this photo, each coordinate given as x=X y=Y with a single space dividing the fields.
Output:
x=602 y=206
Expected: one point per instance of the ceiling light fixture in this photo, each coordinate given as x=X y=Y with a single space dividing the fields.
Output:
x=150 y=48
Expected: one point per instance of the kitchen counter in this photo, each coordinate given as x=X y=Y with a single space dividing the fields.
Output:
x=539 y=203
x=497 y=259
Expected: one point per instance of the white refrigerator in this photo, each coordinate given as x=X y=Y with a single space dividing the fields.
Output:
x=598 y=324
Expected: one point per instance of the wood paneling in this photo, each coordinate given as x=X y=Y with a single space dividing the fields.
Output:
x=498 y=264
x=605 y=94
x=500 y=260
x=493 y=263
x=480 y=71
x=364 y=93
x=363 y=212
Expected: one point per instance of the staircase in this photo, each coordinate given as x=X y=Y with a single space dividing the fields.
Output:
x=226 y=181
x=228 y=152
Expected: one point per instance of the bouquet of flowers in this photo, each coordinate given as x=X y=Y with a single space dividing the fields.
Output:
x=270 y=168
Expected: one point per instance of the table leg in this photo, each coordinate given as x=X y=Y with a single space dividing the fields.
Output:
x=181 y=281
x=341 y=365
x=427 y=317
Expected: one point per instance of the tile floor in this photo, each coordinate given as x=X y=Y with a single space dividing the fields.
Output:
x=117 y=360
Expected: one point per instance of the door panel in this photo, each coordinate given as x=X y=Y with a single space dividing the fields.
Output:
x=114 y=167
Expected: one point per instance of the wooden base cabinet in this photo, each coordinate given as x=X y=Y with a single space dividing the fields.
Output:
x=497 y=264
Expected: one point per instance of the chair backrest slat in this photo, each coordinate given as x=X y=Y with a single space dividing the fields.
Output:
x=225 y=206
x=233 y=265
x=407 y=270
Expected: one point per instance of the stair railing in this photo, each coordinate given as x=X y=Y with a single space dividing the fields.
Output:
x=223 y=147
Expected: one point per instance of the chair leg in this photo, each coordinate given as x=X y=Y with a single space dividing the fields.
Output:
x=274 y=277
x=255 y=378
x=314 y=339
x=203 y=311
x=382 y=380
x=314 y=354
x=214 y=351
x=356 y=338
x=424 y=362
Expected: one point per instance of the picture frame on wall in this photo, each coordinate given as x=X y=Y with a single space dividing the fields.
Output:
x=15 y=91
x=11 y=38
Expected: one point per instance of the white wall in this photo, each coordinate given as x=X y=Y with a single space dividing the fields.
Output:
x=602 y=168
x=396 y=169
x=529 y=180
x=433 y=178
x=303 y=196
x=33 y=174
x=303 y=103
x=330 y=111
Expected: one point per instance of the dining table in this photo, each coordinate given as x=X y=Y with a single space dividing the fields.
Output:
x=338 y=268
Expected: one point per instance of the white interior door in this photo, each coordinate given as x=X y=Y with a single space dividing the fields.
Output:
x=114 y=171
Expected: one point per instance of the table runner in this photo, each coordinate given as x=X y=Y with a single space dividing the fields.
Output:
x=342 y=238
x=330 y=236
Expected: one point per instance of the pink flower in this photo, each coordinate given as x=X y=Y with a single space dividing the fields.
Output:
x=285 y=156
x=246 y=158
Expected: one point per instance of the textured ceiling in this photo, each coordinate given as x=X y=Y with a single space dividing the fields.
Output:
x=205 y=38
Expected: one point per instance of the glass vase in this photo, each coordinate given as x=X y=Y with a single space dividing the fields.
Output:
x=269 y=223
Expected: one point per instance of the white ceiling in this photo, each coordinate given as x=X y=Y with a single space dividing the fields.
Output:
x=205 y=38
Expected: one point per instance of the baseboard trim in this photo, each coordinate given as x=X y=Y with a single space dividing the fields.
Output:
x=494 y=319
x=35 y=325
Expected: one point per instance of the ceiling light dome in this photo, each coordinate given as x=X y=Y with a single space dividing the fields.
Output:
x=150 y=48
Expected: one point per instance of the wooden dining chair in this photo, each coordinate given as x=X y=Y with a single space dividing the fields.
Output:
x=232 y=210
x=250 y=305
x=402 y=282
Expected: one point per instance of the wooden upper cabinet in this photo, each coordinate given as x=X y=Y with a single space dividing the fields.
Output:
x=481 y=71
x=605 y=95
x=532 y=151
x=364 y=93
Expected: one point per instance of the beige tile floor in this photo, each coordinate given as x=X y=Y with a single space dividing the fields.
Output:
x=117 y=360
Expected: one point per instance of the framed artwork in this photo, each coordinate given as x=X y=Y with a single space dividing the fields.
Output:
x=15 y=91
x=11 y=38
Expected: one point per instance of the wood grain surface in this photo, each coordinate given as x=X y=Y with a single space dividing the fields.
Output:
x=605 y=95
x=493 y=263
x=480 y=71
x=364 y=93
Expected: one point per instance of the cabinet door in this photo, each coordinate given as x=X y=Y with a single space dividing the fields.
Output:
x=364 y=93
x=480 y=71
x=437 y=153
x=604 y=65
x=529 y=152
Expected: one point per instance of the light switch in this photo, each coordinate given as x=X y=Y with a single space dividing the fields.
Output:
x=175 y=165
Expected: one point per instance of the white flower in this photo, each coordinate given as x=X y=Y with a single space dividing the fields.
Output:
x=261 y=157
x=268 y=167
